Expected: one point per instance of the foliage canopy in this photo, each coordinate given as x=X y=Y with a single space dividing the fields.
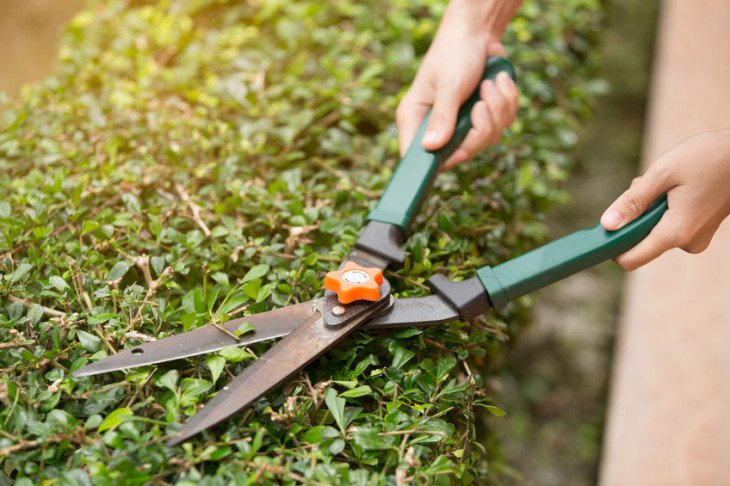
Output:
x=192 y=160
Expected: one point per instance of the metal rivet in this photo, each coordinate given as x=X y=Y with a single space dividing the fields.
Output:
x=338 y=310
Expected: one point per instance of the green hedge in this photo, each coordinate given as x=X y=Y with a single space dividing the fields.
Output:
x=196 y=158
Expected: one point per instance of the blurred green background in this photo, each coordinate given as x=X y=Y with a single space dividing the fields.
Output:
x=557 y=375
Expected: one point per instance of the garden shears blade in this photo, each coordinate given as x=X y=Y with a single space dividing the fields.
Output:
x=207 y=339
x=304 y=344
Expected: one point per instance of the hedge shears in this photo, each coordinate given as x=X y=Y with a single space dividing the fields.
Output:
x=357 y=296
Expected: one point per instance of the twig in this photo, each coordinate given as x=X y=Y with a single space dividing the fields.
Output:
x=194 y=208
x=139 y=336
x=32 y=444
x=14 y=344
x=27 y=303
x=215 y=324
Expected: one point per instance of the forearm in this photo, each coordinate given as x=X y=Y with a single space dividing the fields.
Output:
x=490 y=17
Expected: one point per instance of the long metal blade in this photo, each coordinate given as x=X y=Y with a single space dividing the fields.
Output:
x=207 y=339
x=417 y=311
x=288 y=356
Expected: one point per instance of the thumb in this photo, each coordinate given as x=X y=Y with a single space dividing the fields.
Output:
x=634 y=201
x=443 y=117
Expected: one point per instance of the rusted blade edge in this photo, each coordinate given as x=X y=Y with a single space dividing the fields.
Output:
x=285 y=358
x=206 y=339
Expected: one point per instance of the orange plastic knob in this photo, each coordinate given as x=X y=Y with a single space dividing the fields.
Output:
x=353 y=282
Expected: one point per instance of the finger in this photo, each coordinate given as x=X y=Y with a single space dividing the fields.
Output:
x=508 y=89
x=479 y=136
x=663 y=237
x=460 y=155
x=499 y=108
x=443 y=116
x=408 y=117
x=635 y=200
x=496 y=49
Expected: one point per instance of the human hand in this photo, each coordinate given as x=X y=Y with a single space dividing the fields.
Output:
x=695 y=174
x=468 y=34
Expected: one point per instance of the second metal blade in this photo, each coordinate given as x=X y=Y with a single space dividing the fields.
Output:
x=285 y=358
x=206 y=339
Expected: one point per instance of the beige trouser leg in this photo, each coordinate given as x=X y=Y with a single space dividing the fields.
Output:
x=669 y=409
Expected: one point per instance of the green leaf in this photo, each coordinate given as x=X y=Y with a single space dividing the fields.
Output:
x=116 y=418
x=256 y=272
x=244 y=328
x=216 y=365
x=118 y=271
x=35 y=313
x=233 y=302
x=220 y=278
x=21 y=272
x=193 y=300
x=90 y=342
x=313 y=435
x=234 y=354
x=336 y=407
x=169 y=380
x=369 y=439
x=58 y=283
x=494 y=410
x=358 y=391
x=401 y=356
x=407 y=332
x=100 y=318
x=4 y=209
x=192 y=389
x=337 y=447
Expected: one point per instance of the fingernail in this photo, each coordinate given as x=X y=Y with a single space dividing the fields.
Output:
x=432 y=136
x=492 y=92
x=612 y=219
x=502 y=80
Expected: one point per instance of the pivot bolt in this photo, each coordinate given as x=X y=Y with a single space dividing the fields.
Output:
x=353 y=282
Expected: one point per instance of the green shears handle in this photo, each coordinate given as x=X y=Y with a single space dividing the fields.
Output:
x=417 y=170
x=566 y=256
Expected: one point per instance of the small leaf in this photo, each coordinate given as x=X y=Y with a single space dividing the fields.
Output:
x=216 y=364
x=496 y=411
x=89 y=341
x=35 y=312
x=20 y=272
x=158 y=264
x=369 y=439
x=220 y=278
x=118 y=271
x=256 y=272
x=169 y=380
x=337 y=447
x=358 y=391
x=244 y=328
x=100 y=318
x=116 y=418
x=401 y=356
x=58 y=283
x=336 y=407
x=407 y=332
x=313 y=435
x=192 y=389
x=234 y=354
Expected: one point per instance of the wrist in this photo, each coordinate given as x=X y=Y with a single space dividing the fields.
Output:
x=486 y=18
